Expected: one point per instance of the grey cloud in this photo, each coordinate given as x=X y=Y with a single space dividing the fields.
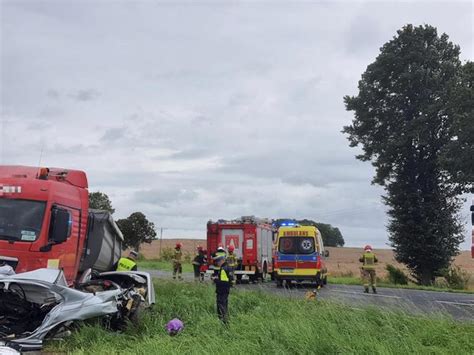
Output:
x=113 y=135
x=363 y=32
x=165 y=196
x=85 y=95
x=53 y=94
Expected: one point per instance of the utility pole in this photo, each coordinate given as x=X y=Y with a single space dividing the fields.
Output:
x=161 y=241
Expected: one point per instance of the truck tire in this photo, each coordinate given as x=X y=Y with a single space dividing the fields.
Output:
x=279 y=282
x=325 y=280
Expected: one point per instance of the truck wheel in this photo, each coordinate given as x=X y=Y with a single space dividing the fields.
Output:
x=325 y=280
x=279 y=282
x=238 y=279
x=272 y=276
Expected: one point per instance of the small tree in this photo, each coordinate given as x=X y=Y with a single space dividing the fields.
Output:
x=100 y=201
x=136 y=229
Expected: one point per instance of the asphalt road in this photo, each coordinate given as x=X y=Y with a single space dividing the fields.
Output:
x=460 y=306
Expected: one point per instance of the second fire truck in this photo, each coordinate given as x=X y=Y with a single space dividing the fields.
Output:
x=252 y=239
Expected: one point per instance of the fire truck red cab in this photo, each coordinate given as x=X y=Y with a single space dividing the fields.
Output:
x=252 y=239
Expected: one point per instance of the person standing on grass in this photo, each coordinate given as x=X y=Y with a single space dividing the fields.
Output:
x=177 y=266
x=198 y=261
x=368 y=268
x=223 y=281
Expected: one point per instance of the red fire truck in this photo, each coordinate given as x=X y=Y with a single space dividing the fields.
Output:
x=45 y=221
x=252 y=239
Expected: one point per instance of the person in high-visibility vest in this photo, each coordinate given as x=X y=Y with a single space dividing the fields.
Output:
x=232 y=259
x=368 y=269
x=220 y=252
x=223 y=280
x=177 y=257
x=127 y=263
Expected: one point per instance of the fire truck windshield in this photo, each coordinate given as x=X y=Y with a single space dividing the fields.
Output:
x=20 y=220
x=296 y=245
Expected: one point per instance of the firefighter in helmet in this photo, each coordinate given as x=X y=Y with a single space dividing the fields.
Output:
x=231 y=258
x=198 y=261
x=368 y=260
x=177 y=259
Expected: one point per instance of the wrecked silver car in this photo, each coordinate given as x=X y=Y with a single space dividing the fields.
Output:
x=38 y=305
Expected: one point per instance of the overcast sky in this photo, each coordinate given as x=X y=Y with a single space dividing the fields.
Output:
x=190 y=111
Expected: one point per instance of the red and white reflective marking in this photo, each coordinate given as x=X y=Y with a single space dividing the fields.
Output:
x=6 y=189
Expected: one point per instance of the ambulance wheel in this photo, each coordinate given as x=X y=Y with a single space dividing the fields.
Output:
x=318 y=281
x=325 y=280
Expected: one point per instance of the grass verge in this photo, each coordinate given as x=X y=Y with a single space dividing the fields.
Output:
x=152 y=264
x=268 y=324
x=348 y=280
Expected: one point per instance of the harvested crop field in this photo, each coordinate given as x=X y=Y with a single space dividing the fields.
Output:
x=341 y=262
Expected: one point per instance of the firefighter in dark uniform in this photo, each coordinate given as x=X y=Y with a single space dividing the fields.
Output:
x=223 y=280
x=198 y=261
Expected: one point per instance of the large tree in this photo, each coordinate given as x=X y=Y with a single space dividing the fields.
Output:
x=404 y=121
x=136 y=229
x=458 y=155
x=100 y=201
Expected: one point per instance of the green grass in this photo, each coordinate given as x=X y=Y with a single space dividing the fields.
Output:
x=151 y=264
x=352 y=280
x=267 y=324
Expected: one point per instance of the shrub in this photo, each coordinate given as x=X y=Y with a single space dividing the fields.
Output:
x=396 y=276
x=456 y=277
x=187 y=258
x=167 y=254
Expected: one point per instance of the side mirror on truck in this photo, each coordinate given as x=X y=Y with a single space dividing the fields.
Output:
x=60 y=227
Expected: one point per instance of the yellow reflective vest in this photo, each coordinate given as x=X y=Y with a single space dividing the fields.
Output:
x=232 y=260
x=368 y=259
x=125 y=264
